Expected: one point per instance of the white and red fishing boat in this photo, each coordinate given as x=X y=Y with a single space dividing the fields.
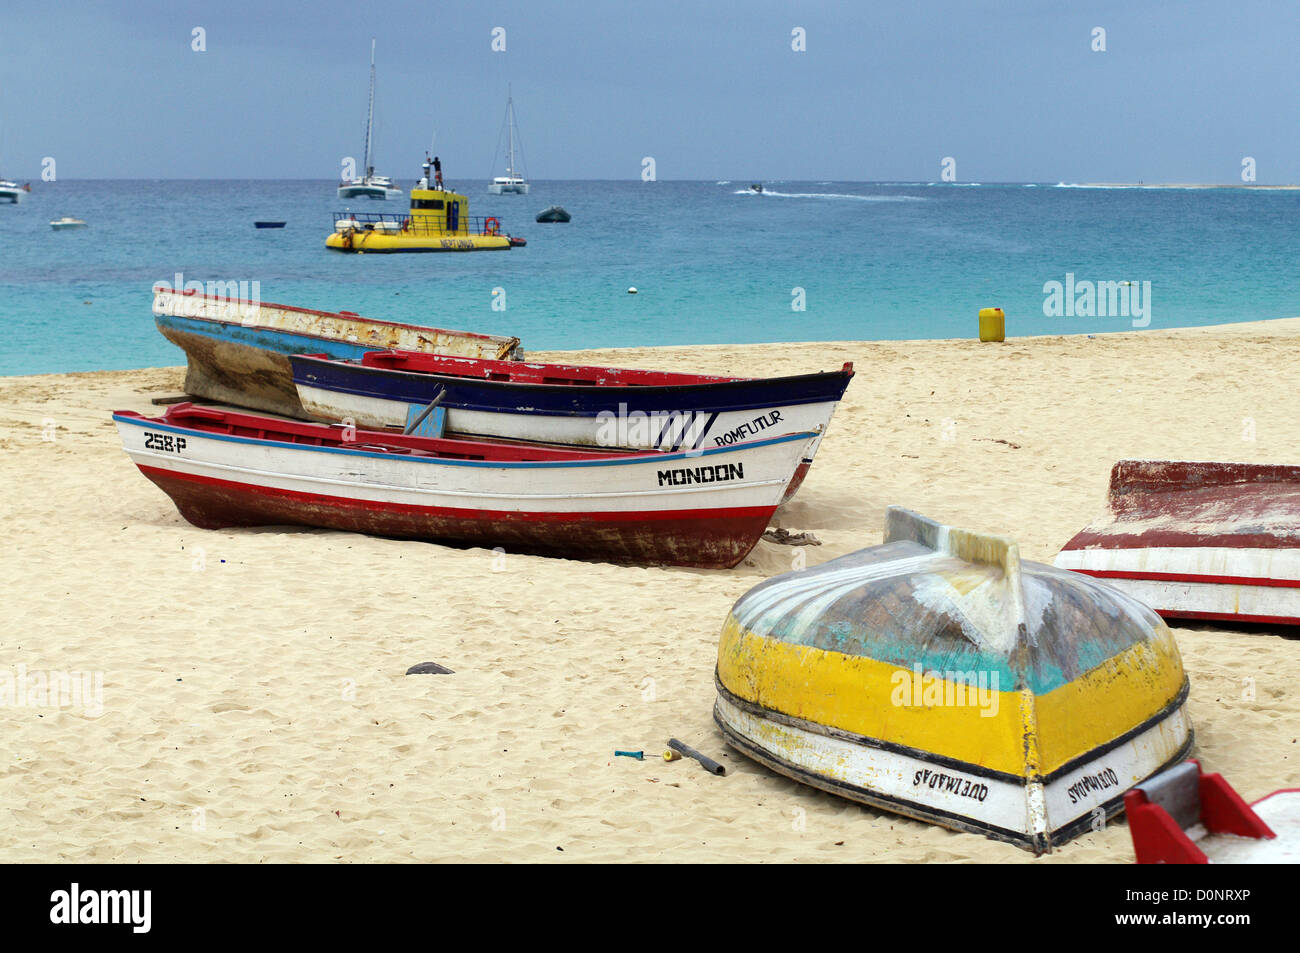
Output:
x=1216 y=541
x=702 y=509
x=566 y=404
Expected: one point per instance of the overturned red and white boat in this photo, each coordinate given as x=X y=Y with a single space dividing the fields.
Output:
x=704 y=509
x=1217 y=541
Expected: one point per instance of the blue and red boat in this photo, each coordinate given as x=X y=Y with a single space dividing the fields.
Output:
x=568 y=405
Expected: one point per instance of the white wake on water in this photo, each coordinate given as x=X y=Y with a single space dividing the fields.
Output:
x=832 y=195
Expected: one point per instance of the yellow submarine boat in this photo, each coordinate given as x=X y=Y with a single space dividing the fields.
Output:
x=438 y=220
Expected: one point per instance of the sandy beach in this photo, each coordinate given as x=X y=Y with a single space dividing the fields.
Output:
x=254 y=701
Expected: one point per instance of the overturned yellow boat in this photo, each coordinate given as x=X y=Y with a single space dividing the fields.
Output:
x=940 y=677
x=438 y=220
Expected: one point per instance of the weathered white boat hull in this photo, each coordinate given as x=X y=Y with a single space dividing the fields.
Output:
x=1206 y=582
x=237 y=350
x=703 y=509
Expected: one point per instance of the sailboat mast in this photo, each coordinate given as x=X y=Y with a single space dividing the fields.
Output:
x=510 y=121
x=370 y=109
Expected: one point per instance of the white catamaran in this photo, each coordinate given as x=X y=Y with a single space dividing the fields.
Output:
x=12 y=191
x=512 y=183
x=369 y=185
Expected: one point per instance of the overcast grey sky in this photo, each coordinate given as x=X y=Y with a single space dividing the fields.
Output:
x=1012 y=90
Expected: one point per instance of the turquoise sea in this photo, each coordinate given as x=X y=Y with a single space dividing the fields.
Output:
x=713 y=262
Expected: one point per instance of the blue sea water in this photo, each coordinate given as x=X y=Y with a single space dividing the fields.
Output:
x=713 y=262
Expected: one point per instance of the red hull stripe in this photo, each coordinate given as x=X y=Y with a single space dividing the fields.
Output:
x=710 y=539
x=1192 y=577
x=1229 y=617
x=1113 y=537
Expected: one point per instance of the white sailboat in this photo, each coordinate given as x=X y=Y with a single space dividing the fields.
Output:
x=369 y=185
x=512 y=183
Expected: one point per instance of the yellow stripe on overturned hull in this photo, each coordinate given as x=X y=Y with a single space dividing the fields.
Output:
x=970 y=722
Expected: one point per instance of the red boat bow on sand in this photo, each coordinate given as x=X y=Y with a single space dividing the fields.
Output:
x=1217 y=541
x=1183 y=816
x=703 y=509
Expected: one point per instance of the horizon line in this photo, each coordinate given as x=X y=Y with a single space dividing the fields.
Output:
x=709 y=179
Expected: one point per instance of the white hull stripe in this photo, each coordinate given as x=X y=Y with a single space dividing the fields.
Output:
x=1215 y=600
x=963 y=797
x=696 y=429
x=1255 y=563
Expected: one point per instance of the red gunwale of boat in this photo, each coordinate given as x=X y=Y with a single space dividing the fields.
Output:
x=528 y=372
x=255 y=426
